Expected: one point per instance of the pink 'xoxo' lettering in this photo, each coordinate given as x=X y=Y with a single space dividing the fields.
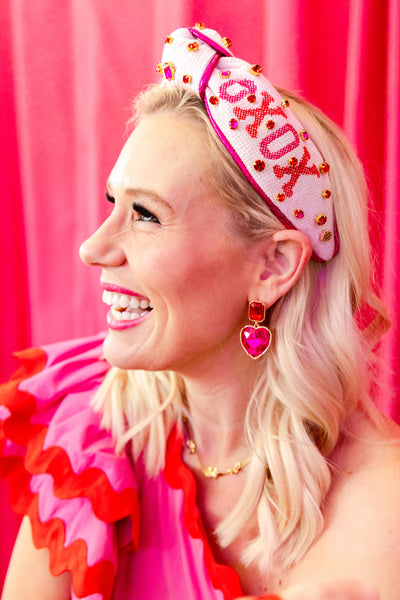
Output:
x=248 y=87
x=282 y=131
x=295 y=172
x=258 y=113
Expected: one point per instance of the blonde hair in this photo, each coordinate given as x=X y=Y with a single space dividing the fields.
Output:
x=315 y=372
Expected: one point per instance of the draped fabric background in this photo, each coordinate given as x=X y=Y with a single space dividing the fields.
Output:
x=68 y=73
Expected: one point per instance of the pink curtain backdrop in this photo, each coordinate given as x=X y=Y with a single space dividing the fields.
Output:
x=68 y=73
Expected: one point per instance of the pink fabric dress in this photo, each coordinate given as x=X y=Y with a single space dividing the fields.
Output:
x=120 y=534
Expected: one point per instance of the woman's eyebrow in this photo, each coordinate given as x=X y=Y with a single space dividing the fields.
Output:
x=149 y=194
x=144 y=193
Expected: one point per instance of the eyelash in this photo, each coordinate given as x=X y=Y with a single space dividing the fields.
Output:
x=145 y=214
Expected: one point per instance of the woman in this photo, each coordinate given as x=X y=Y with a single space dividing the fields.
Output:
x=249 y=455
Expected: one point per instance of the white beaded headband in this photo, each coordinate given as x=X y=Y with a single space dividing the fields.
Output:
x=256 y=125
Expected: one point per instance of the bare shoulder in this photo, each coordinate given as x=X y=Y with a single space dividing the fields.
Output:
x=361 y=538
x=366 y=465
x=28 y=576
x=363 y=512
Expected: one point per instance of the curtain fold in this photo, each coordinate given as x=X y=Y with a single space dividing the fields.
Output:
x=69 y=71
x=391 y=206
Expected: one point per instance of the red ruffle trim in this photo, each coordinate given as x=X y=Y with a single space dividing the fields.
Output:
x=108 y=505
x=178 y=476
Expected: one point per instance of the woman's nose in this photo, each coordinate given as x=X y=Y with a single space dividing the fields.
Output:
x=102 y=249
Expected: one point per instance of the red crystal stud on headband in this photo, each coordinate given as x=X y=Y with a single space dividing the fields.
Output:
x=259 y=130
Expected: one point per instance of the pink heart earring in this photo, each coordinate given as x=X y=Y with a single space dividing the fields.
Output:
x=255 y=339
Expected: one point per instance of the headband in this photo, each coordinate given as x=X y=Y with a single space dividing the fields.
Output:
x=258 y=128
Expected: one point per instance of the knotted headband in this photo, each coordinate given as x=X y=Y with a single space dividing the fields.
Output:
x=256 y=125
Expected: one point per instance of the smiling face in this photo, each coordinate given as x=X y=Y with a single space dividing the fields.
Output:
x=172 y=251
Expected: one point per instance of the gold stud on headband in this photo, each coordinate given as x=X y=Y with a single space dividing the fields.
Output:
x=259 y=165
x=193 y=47
x=256 y=69
x=324 y=168
x=321 y=220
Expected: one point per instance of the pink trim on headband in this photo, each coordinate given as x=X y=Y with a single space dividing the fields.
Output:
x=259 y=130
x=207 y=74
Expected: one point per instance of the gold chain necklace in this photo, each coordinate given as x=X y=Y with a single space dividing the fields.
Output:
x=212 y=472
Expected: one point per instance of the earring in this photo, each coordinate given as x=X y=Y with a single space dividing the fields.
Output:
x=255 y=339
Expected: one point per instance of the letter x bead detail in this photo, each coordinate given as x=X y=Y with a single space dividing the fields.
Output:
x=258 y=113
x=295 y=172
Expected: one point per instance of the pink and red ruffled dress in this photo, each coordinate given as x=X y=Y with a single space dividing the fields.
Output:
x=121 y=534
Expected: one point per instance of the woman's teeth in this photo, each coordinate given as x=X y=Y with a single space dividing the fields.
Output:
x=124 y=306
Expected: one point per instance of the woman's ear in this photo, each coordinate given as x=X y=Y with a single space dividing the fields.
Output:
x=283 y=257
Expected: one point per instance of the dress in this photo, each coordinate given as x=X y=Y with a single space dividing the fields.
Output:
x=93 y=509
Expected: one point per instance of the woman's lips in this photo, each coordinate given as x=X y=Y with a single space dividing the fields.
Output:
x=127 y=308
x=112 y=287
x=119 y=324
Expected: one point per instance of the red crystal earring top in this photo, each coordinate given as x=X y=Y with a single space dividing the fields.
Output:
x=255 y=339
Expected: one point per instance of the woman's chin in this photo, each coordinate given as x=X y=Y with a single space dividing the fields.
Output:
x=118 y=354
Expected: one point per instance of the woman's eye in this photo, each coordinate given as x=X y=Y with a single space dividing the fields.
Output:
x=110 y=198
x=145 y=215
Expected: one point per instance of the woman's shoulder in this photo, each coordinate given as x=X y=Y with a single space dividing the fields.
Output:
x=369 y=451
x=366 y=476
x=361 y=536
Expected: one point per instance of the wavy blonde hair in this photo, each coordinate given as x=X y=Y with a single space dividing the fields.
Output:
x=316 y=371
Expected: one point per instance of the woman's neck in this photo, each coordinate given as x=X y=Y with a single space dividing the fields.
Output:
x=217 y=406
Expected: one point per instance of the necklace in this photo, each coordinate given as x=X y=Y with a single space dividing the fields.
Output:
x=212 y=472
